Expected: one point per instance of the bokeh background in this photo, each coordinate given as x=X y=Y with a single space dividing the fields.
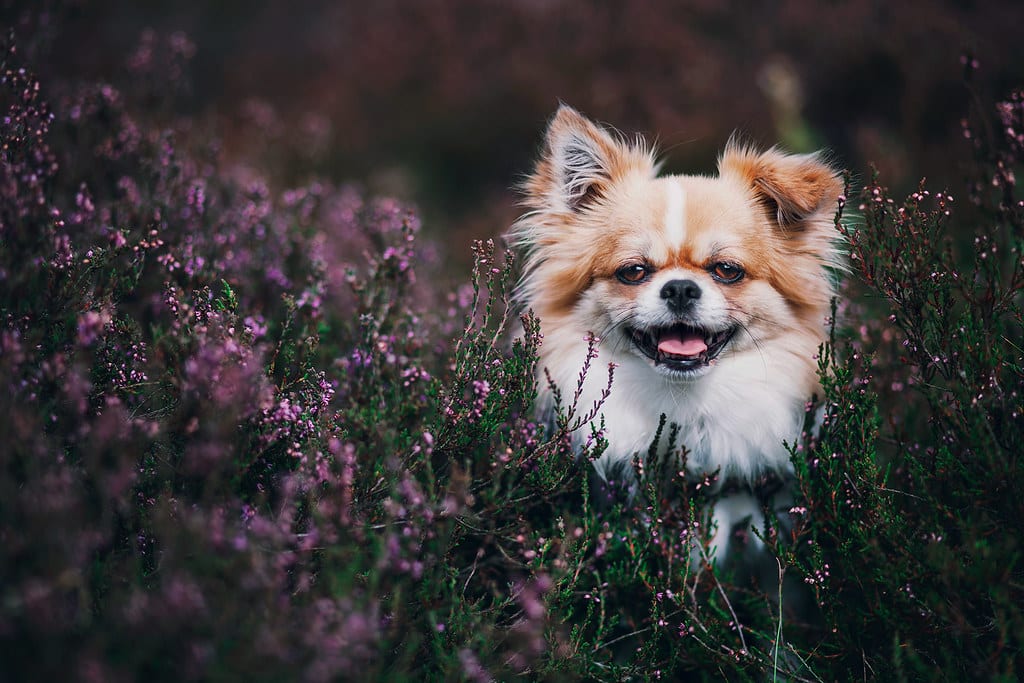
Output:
x=442 y=103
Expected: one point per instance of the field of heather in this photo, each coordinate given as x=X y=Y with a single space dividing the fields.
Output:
x=266 y=405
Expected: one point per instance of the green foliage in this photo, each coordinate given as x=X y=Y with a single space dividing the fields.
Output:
x=912 y=551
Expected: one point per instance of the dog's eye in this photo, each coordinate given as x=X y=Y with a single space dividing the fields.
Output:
x=726 y=272
x=633 y=274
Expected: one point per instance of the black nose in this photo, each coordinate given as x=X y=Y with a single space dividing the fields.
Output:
x=680 y=294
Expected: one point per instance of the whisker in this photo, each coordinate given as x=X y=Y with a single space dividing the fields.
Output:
x=753 y=339
x=614 y=325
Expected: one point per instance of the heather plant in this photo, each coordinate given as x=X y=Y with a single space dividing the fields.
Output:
x=259 y=433
x=240 y=445
x=910 y=548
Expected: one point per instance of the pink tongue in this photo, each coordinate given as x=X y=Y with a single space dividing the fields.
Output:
x=678 y=344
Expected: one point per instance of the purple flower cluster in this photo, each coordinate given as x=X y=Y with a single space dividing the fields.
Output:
x=229 y=444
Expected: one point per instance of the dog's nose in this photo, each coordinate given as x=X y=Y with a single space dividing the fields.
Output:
x=680 y=294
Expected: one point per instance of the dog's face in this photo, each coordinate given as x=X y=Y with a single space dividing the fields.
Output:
x=680 y=271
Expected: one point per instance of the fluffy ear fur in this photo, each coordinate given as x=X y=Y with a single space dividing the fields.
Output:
x=579 y=164
x=793 y=188
x=799 y=193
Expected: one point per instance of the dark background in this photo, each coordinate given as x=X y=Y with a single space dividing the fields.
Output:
x=443 y=102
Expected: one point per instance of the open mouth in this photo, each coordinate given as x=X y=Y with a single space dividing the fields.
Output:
x=681 y=347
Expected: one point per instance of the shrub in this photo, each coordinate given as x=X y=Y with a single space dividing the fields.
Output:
x=910 y=489
x=240 y=445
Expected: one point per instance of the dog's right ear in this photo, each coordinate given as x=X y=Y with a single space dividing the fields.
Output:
x=579 y=164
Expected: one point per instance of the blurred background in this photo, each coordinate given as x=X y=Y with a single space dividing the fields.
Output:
x=442 y=103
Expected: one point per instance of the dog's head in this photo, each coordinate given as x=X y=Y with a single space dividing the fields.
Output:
x=680 y=270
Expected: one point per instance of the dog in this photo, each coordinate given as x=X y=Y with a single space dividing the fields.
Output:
x=709 y=294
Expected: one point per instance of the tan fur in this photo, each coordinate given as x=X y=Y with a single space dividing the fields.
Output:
x=595 y=204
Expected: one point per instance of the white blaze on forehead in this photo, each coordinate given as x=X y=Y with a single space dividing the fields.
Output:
x=675 y=205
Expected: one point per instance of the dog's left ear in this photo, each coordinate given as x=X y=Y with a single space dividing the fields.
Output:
x=793 y=188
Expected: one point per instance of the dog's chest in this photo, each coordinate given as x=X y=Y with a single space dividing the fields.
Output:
x=737 y=428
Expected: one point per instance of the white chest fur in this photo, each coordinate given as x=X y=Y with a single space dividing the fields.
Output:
x=736 y=418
